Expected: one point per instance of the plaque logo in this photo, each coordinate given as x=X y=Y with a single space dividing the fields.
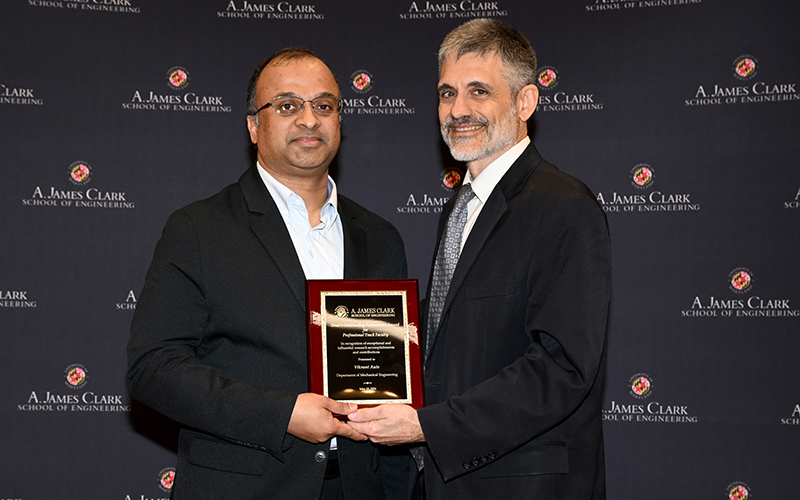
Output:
x=341 y=311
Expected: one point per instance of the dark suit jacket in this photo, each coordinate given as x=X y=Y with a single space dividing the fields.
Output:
x=515 y=373
x=218 y=343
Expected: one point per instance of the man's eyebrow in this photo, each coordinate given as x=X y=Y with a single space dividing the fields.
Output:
x=471 y=85
x=295 y=94
x=478 y=83
x=445 y=86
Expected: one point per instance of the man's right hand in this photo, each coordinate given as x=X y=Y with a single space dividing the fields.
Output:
x=313 y=419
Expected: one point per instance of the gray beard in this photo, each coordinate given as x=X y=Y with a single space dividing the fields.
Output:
x=499 y=137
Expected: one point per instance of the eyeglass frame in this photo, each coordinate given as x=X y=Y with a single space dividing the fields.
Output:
x=339 y=105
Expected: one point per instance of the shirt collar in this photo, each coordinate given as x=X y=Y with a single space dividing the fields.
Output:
x=484 y=184
x=282 y=195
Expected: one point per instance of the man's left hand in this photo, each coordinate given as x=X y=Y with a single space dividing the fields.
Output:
x=388 y=424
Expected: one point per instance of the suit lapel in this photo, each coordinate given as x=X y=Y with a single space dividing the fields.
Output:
x=355 y=243
x=509 y=186
x=268 y=225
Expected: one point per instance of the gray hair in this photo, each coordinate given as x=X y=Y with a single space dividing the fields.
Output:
x=486 y=36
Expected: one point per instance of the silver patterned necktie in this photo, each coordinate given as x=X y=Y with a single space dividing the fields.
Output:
x=443 y=269
x=446 y=260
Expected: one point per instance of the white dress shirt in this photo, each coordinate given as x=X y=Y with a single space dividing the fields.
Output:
x=484 y=184
x=320 y=248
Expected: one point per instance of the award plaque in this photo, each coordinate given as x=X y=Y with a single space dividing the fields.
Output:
x=363 y=341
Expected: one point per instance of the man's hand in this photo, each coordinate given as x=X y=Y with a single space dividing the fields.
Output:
x=388 y=424
x=313 y=421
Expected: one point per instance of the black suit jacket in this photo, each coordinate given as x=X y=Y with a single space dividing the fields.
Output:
x=515 y=373
x=218 y=343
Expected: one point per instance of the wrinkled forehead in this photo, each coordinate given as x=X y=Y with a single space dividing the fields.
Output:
x=473 y=66
x=456 y=55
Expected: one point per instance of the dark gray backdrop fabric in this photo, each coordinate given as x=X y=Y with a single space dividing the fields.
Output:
x=681 y=115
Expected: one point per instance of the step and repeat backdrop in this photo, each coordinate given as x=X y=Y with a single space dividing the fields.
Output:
x=681 y=115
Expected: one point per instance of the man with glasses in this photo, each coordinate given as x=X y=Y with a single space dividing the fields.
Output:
x=218 y=340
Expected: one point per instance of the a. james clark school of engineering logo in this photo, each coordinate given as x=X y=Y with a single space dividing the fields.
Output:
x=744 y=67
x=451 y=179
x=642 y=176
x=75 y=376
x=738 y=491
x=641 y=385
x=341 y=311
x=361 y=81
x=177 y=77
x=741 y=280
x=547 y=78
x=166 y=478
x=80 y=173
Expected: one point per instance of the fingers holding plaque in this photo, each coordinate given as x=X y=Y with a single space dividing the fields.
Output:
x=363 y=343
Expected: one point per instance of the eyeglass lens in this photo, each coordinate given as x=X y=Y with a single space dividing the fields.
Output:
x=287 y=105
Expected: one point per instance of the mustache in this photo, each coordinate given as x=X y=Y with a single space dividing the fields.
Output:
x=451 y=122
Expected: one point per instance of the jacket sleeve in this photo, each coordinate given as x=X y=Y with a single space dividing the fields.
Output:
x=165 y=370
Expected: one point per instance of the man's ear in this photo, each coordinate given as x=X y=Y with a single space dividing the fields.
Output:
x=527 y=100
x=252 y=127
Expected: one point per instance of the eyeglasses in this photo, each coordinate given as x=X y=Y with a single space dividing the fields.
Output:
x=289 y=105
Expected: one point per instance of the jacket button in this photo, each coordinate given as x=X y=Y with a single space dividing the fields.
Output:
x=475 y=462
x=320 y=456
x=484 y=458
x=466 y=465
x=491 y=456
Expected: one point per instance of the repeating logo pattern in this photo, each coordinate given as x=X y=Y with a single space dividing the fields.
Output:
x=641 y=385
x=178 y=77
x=745 y=67
x=76 y=376
x=642 y=175
x=741 y=280
x=80 y=173
x=451 y=179
x=654 y=411
x=547 y=77
x=361 y=81
x=738 y=491
x=166 y=479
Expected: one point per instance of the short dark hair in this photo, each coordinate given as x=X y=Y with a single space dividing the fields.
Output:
x=484 y=36
x=283 y=55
